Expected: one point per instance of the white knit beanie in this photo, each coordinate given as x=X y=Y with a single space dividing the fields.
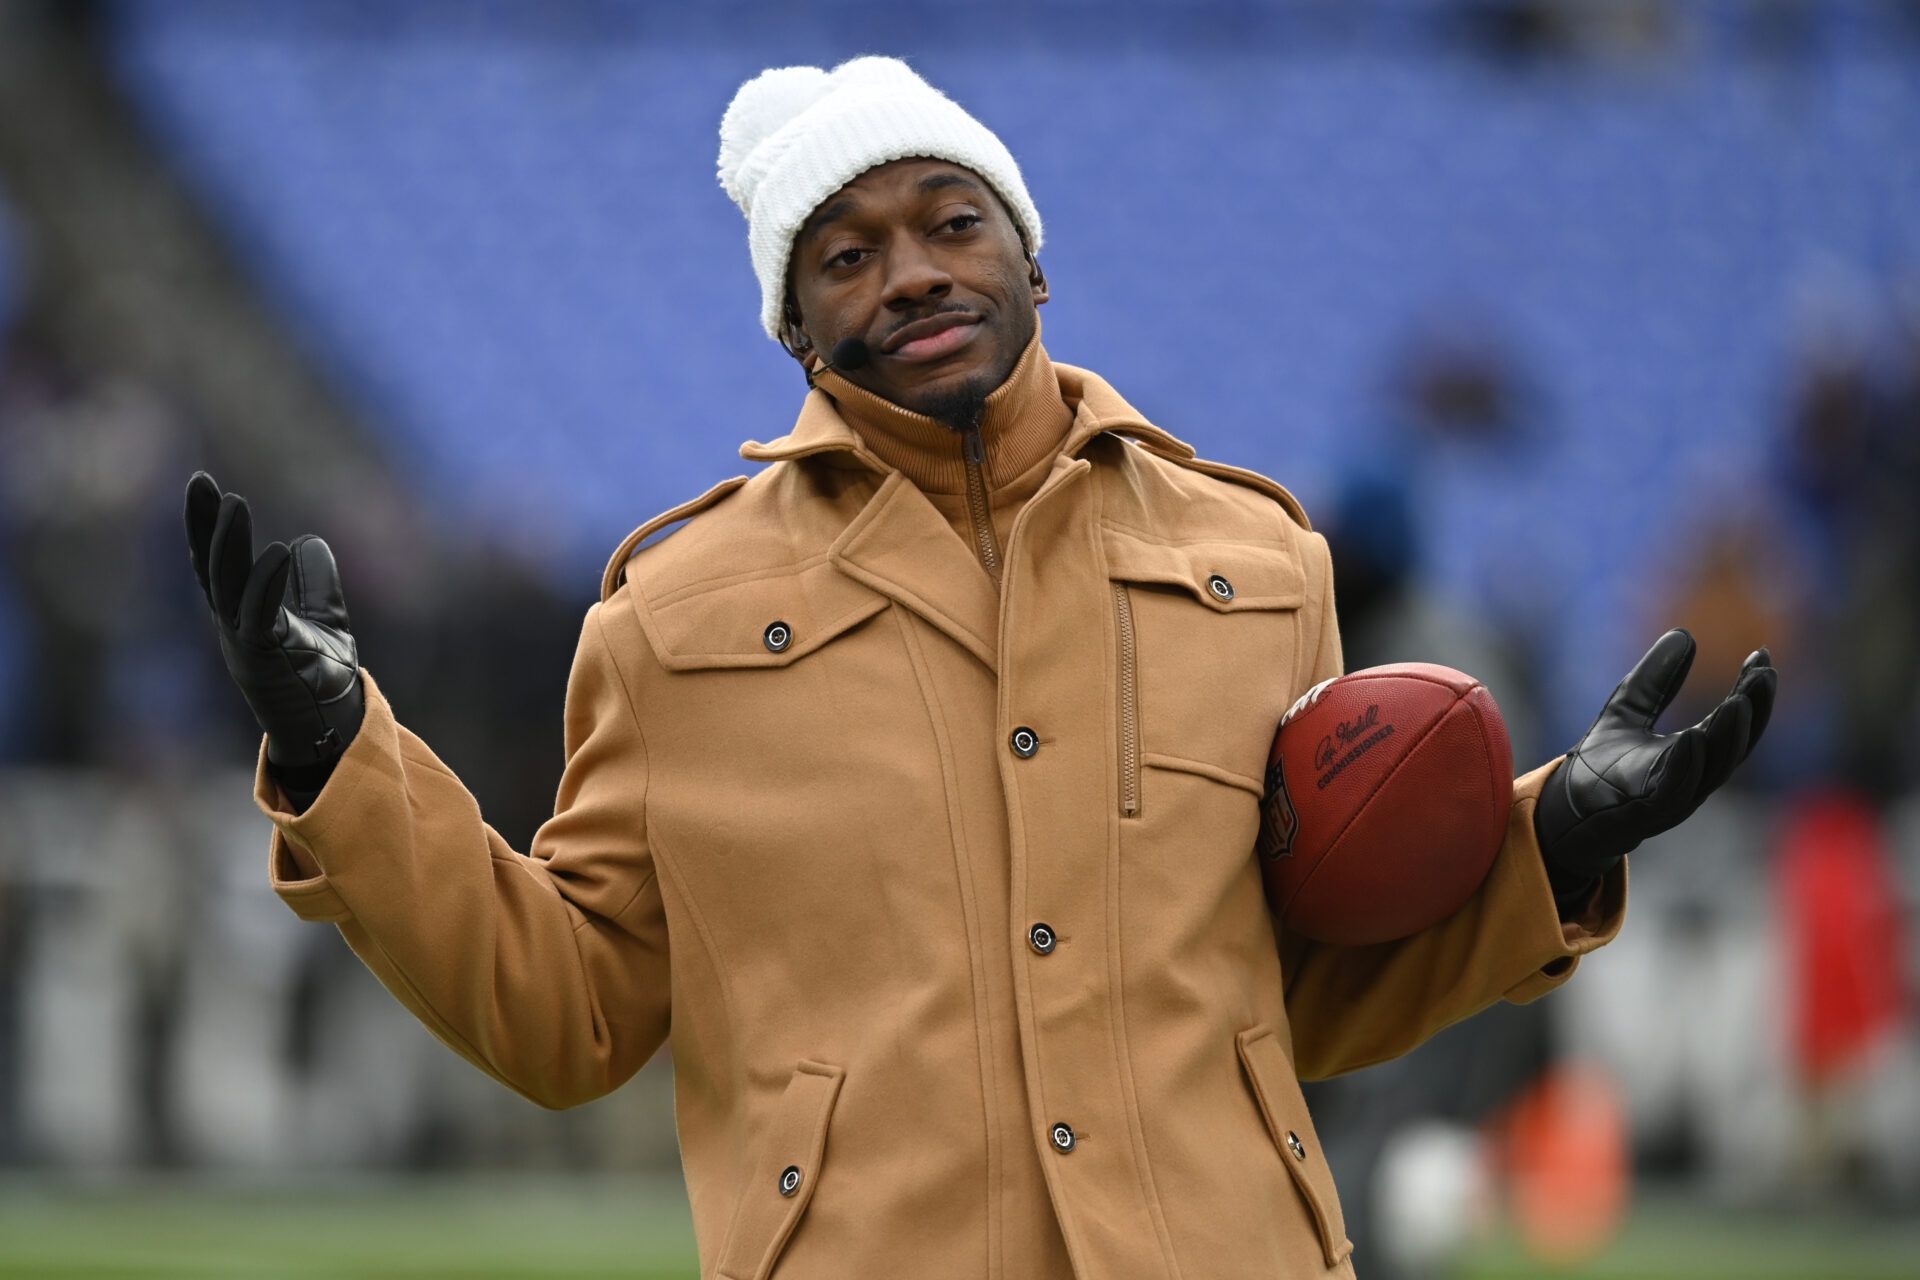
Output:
x=792 y=136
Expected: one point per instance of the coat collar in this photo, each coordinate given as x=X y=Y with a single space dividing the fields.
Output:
x=901 y=546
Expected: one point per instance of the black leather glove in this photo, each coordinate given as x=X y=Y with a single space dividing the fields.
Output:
x=1623 y=782
x=293 y=657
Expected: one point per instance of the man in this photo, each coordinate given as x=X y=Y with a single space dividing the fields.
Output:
x=911 y=784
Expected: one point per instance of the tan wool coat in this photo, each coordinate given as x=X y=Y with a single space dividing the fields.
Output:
x=910 y=795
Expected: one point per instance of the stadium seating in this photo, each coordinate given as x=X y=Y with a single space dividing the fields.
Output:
x=498 y=226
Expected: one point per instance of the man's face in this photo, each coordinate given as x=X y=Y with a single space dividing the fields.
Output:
x=920 y=259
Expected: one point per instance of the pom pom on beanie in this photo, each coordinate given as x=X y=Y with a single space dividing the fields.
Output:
x=792 y=136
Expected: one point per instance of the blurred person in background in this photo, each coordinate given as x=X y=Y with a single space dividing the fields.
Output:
x=1736 y=575
x=896 y=643
x=86 y=453
x=1851 y=469
x=81 y=460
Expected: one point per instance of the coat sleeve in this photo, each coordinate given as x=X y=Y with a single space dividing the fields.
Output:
x=548 y=969
x=1353 y=1006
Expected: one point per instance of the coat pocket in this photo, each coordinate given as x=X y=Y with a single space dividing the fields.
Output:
x=1129 y=685
x=1284 y=1107
x=1206 y=632
x=760 y=618
x=784 y=1176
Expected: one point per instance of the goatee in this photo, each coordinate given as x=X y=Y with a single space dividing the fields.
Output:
x=958 y=408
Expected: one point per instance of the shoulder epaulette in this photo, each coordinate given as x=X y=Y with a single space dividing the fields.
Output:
x=1240 y=475
x=616 y=566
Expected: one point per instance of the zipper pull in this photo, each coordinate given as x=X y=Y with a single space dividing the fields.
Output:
x=973 y=446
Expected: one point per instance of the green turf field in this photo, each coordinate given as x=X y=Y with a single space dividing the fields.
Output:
x=366 y=1229
x=637 y=1229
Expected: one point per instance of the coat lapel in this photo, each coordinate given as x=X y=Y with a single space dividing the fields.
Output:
x=898 y=544
x=902 y=547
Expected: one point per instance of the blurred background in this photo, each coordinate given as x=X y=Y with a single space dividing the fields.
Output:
x=1568 y=320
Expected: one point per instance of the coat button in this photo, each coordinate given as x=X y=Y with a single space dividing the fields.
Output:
x=778 y=636
x=789 y=1179
x=1025 y=742
x=1041 y=938
x=1062 y=1136
x=1221 y=588
x=1296 y=1146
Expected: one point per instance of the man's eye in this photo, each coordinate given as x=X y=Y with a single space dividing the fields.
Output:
x=968 y=218
x=841 y=259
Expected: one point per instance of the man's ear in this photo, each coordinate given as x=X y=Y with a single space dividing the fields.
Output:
x=793 y=335
x=1037 y=278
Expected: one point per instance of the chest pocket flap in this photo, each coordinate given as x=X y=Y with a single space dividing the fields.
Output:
x=763 y=618
x=1226 y=575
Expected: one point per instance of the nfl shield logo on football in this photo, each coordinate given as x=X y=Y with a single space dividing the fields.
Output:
x=1279 y=823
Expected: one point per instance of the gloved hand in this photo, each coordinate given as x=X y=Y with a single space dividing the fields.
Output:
x=294 y=659
x=1623 y=782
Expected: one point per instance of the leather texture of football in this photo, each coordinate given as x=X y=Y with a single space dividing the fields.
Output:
x=1387 y=794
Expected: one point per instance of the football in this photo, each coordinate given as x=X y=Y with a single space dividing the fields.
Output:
x=1387 y=794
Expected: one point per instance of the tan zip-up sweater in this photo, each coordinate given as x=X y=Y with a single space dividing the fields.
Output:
x=1023 y=427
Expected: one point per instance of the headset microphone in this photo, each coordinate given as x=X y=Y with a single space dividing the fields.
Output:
x=848 y=353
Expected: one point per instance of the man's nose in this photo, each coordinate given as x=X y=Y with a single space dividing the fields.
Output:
x=914 y=275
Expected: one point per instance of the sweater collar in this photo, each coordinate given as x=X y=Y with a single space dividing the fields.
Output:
x=1044 y=407
x=1024 y=420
